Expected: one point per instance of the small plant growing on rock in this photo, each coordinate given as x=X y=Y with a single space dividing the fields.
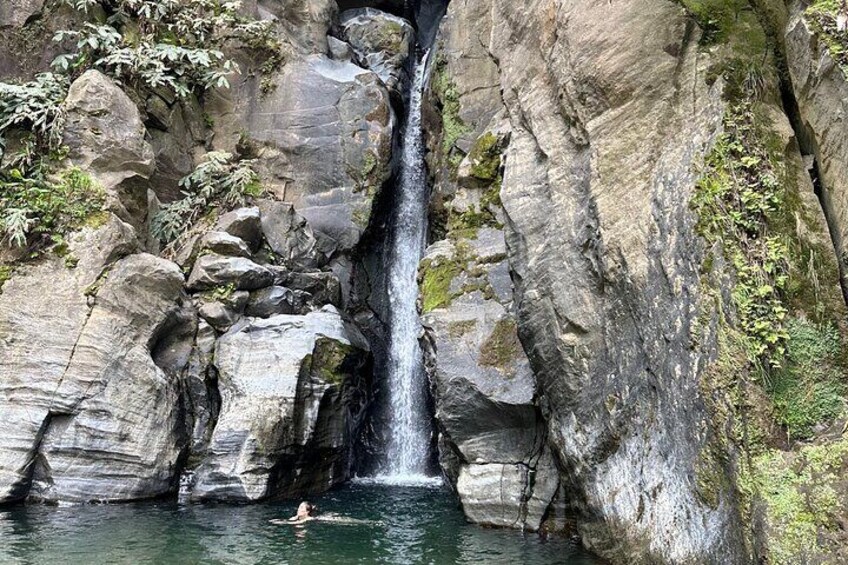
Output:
x=36 y=210
x=829 y=19
x=162 y=43
x=221 y=180
x=740 y=192
x=34 y=107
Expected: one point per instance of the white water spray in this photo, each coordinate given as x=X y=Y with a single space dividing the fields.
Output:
x=409 y=423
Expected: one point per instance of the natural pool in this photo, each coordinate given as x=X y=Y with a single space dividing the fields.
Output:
x=416 y=525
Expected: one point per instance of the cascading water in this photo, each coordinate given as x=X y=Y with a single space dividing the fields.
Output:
x=408 y=447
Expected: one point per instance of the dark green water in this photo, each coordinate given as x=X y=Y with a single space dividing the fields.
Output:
x=417 y=525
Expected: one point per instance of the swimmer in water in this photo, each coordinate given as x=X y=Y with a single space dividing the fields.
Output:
x=305 y=512
x=308 y=512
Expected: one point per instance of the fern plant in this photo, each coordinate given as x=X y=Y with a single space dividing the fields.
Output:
x=35 y=106
x=37 y=210
x=220 y=181
x=162 y=43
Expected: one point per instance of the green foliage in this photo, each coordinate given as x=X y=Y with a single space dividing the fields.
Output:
x=810 y=388
x=737 y=197
x=822 y=15
x=803 y=500
x=176 y=44
x=452 y=125
x=220 y=181
x=38 y=210
x=36 y=107
x=220 y=293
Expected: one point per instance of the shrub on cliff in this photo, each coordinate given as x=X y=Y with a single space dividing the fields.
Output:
x=161 y=43
x=220 y=181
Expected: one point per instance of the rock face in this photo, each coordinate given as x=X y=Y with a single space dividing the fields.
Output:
x=605 y=292
x=15 y=13
x=326 y=135
x=84 y=420
x=105 y=135
x=288 y=400
x=821 y=90
x=382 y=43
x=582 y=262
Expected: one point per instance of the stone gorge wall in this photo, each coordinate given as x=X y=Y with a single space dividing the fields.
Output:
x=233 y=356
x=576 y=322
x=576 y=132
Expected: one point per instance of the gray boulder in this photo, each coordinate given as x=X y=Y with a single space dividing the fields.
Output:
x=15 y=13
x=201 y=398
x=106 y=137
x=515 y=495
x=322 y=287
x=292 y=399
x=325 y=140
x=214 y=270
x=223 y=243
x=90 y=416
x=382 y=43
x=224 y=311
x=243 y=223
x=288 y=234
x=270 y=302
x=37 y=346
x=492 y=443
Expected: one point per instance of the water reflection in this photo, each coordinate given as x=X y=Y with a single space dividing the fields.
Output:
x=410 y=526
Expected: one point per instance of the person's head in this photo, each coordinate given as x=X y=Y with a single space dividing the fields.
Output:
x=305 y=510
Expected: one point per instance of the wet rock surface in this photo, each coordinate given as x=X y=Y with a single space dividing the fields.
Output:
x=287 y=388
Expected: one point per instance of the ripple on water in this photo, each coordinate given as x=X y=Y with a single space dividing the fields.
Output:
x=408 y=525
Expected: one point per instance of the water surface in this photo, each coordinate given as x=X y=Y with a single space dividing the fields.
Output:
x=413 y=525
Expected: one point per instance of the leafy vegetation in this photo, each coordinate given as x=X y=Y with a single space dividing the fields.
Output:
x=36 y=107
x=737 y=197
x=830 y=20
x=220 y=181
x=175 y=44
x=810 y=388
x=36 y=210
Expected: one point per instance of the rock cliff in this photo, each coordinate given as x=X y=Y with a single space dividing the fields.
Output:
x=631 y=296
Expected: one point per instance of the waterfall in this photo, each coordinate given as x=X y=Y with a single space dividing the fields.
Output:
x=409 y=442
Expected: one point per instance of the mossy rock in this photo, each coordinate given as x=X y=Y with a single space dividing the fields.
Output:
x=485 y=158
x=331 y=361
x=502 y=347
x=437 y=276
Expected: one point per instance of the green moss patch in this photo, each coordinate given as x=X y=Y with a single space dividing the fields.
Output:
x=5 y=274
x=485 y=157
x=330 y=361
x=809 y=388
x=502 y=347
x=437 y=276
x=453 y=127
x=461 y=328
x=804 y=496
